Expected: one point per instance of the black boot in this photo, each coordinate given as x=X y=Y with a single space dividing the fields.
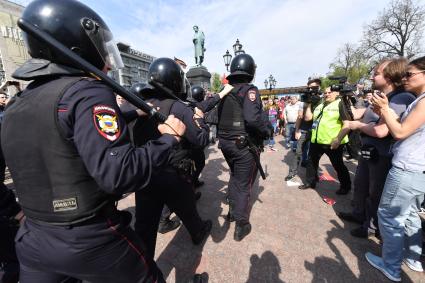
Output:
x=349 y=217
x=199 y=183
x=203 y=234
x=241 y=230
x=290 y=176
x=199 y=278
x=168 y=225
x=198 y=195
x=307 y=186
x=230 y=217
x=359 y=232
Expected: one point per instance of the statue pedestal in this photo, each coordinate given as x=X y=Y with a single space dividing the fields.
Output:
x=199 y=76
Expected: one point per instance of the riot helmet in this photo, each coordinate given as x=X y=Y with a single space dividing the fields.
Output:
x=198 y=93
x=76 y=26
x=242 y=67
x=169 y=74
x=142 y=90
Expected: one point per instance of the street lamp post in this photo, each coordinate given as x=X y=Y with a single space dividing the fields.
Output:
x=237 y=48
x=270 y=82
x=227 y=59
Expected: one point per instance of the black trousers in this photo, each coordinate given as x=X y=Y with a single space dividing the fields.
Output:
x=198 y=157
x=2 y=167
x=107 y=250
x=166 y=187
x=7 y=251
x=243 y=172
x=369 y=184
x=335 y=156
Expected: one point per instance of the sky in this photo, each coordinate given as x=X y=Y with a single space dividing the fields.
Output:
x=290 y=39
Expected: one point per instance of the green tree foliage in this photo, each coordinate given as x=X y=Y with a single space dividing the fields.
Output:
x=350 y=62
x=216 y=84
x=397 y=31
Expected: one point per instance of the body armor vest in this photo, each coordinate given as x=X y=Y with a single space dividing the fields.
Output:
x=145 y=130
x=231 y=122
x=51 y=180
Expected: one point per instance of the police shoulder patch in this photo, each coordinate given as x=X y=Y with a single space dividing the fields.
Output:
x=106 y=121
x=252 y=95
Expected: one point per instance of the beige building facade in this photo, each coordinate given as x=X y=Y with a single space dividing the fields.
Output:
x=12 y=50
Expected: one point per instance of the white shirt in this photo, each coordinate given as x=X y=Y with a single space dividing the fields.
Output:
x=291 y=112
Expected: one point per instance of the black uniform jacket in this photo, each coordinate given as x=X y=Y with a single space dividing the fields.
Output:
x=91 y=119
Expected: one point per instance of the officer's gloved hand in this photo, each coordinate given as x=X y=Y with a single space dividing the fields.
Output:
x=226 y=90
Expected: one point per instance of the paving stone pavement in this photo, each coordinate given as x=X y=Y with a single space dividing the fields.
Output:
x=296 y=236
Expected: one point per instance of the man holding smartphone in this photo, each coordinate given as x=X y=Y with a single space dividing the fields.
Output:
x=375 y=160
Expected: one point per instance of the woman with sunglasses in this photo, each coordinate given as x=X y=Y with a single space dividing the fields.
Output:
x=404 y=190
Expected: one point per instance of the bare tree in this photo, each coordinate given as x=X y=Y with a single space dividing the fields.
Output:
x=345 y=58
x=397 y=31
x=351 y=62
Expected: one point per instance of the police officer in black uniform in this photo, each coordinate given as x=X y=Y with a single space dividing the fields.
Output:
x=173 y=185
x=68 y=150
x=240 y=118
x=198 y=97
x=205 y=105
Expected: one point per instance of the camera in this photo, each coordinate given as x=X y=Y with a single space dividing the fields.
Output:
x=342 y=87
x=311 y=95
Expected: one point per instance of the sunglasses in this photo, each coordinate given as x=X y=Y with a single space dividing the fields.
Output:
x=411 y=74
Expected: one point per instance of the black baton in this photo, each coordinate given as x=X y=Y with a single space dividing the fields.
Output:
x=253 y=150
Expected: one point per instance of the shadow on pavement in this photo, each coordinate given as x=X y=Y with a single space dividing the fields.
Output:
x=326 y=269
x=214 y=194
x=180 y=254
x=264 y=269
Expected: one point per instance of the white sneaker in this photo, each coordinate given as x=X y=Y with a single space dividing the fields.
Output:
x=414 y=265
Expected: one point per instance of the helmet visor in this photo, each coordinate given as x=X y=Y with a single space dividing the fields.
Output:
x=113 y=57
x=104 y=42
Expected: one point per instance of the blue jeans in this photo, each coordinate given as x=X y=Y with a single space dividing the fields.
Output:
x=270 y=141
x=398 y=217
x=289 y=136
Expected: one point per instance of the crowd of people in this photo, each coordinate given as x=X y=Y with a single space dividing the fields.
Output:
x=282 y=115
x=89 y=148
x=388 y=183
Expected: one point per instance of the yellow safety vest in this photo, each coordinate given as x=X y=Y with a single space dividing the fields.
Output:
x=326 y=123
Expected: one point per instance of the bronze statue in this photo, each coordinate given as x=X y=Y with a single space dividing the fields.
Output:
x=199 y=41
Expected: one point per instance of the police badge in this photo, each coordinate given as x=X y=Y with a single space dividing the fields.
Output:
x=106 y=122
